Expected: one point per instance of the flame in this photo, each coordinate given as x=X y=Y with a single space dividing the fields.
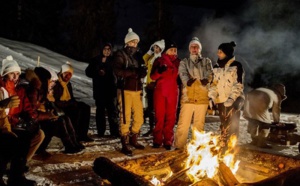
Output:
x=204 y=157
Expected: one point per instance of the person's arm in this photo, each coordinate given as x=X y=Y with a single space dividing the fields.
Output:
x=183 y=72
x=276 y=109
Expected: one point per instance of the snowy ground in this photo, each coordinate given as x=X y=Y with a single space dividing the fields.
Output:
x=76 y=169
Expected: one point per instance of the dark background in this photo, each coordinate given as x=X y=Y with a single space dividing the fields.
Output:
x=266 y=32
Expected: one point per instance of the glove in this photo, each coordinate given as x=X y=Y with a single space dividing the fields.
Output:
x=204 y=82
x=228 y=102
x=162 y=68
x=10 y=102
x=190 y=82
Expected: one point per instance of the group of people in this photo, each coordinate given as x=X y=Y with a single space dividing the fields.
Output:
x=39 y=103
x=35 y=106
x=122 y=78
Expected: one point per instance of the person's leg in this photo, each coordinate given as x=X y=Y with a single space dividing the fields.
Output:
x=171 y=113
x=138 y=119
x=84 y=120
x=112 y=113
x=150 y=112
x=100 y=117
x=36 y=141
x=160 y=111
x=183 y=125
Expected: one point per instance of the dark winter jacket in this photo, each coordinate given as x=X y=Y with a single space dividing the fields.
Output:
x=58 y=92
x=103 y=85
x=129 y=69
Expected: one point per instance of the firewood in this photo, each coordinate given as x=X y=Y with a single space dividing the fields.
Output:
x=254 y=167
x=288 y=178
x=206 y=182
x=117 y=175
x=226 y=175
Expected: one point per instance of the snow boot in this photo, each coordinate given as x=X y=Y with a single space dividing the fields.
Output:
x=125 y=149
x=133 y=141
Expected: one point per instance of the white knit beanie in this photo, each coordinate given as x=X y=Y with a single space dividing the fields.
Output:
x=195 y=40
x=160 y=44
x=9 y=65
x=67 y=68
x=131 y=36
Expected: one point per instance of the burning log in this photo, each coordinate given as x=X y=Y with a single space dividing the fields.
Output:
x=254 y=167
x=206 y=182
x=225 y=176
x=117 y=175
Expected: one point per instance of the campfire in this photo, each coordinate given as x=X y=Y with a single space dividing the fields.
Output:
x=203 y=163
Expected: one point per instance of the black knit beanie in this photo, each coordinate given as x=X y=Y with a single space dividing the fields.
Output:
x=169 y=44
x=42 y=73
x=228 y=48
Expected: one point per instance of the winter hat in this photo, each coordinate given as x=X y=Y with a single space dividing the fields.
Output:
x=131 y=36
x=42 y=73
x=228 y=48
x=195 y=40
x=67 y=68
x=9 y=65
x=170 y=44
x=160 y=44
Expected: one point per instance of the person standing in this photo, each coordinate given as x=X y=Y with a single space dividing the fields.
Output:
x=258 y=102
x=226 y=90
x=129 y=69
x=196 y=74
x=165 y=73
x=149 y=58
x=104 y=91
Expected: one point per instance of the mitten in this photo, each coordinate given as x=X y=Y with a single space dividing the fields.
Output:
x=162 y=68
x=204 y=82
x=228 y=102
x=10 y=102
x=190 y=82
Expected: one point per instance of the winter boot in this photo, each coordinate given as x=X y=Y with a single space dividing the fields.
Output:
x=16 y=175
x=125 y=148
x=133 y=141
x=70 y=147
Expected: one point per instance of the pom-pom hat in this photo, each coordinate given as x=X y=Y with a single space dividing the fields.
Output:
x=9 y=65
x=131 y=36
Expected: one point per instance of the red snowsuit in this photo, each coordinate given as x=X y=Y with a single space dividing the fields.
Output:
x=165 y=99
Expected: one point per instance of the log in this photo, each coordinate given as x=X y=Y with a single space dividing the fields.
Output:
x=117 y=175
x=206 y=182
x=226 y=176
x=254 y=167
x=287 y=178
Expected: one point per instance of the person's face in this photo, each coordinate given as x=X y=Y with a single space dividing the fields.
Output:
x=133 y=43
x=13 y=76
x=156 y=49
x=221 y=54
x=106 y=51
x=171 y=52
x=194 y=49
x=66 y=76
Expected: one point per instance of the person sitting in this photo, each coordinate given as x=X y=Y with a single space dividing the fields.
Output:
x=15 y=143
x=78 y=111
x=258 y=102
x=52 y=123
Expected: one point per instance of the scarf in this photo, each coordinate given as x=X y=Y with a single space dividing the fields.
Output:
x=66 y=96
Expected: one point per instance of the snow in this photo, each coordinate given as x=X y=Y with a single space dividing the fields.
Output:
x=76 y=169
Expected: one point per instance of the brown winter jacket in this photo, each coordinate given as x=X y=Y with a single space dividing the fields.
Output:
x=128 y=69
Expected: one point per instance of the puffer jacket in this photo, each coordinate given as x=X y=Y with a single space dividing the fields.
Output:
x=166 y=82
x=227 y=82
x=196 y=93
x=128 y=70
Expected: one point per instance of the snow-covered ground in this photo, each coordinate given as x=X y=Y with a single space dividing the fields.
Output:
x=76 y=169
